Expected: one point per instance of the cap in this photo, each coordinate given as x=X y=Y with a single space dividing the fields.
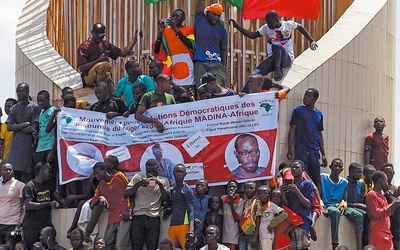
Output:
x=206 y=78
x=99 y=29
x=215 y=8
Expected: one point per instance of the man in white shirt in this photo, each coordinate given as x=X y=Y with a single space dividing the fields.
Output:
x=280 y=42
x=149 y=190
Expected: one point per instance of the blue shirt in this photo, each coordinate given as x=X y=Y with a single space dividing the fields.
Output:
x=182 y=205
x=331 y=192
x=200 y=211
x=209 y=39
x=306 y=187
x=308 y=125
x=355 y=192
x=125 y=87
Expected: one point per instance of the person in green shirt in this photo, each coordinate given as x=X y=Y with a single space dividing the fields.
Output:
x=157 y=98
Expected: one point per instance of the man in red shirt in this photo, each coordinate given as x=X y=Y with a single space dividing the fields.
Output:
x=377 y=145
x=379 y=212
x=110 y=195
x=94 y=54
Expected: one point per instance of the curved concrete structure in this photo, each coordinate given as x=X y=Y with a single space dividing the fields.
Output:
x=37 y=61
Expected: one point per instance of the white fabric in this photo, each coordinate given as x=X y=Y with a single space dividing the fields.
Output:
x=282 y=35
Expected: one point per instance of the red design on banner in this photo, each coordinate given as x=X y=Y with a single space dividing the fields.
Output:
x=257 y=9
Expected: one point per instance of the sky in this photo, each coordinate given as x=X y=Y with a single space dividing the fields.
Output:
x=11 y=10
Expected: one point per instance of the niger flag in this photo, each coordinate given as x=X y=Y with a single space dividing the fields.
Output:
x=256 y=9
x=237 y=3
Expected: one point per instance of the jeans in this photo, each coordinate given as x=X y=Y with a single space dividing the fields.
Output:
x=117 y=235
x=354 y=215
x=312 y=165
x=145 y=229
x=245 y=242
x=279 y=58
x=6 y=237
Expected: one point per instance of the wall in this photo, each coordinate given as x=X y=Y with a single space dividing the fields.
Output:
x=62 y=219
x=353 y=69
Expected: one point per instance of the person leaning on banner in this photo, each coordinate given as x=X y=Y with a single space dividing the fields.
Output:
x=93 y=56
x=159 y=97
x=248 y=155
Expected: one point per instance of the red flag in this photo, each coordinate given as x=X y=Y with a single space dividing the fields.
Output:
x=257 y=9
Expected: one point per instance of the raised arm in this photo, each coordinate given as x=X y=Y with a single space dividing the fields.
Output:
x=125 y=51
x=186 y=41
x=201 y=4
x=247 y=33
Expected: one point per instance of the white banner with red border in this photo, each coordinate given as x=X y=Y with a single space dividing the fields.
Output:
x=200 y=134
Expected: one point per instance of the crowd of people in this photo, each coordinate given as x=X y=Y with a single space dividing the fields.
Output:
x=189 y=65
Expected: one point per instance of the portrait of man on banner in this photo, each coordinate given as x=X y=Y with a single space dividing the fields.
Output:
x=247 y=152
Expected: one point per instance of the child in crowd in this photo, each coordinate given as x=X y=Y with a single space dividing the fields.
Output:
x=367 y=179
x=377 y=145
x=379 y=211
x=181 y=229
x=214 y=216
x=355 y=188
x=298 y=197
x=77 y=240
x=138 y=91
x=248 y=237
x=285 y=173
x=392 y=193
x=21 y=245
x=201 y=200
x=268 y=220
x=233 y=208
x=166 y=244
x=99 y=244
x=281 y=237
x=334 y=196
x=356 y=195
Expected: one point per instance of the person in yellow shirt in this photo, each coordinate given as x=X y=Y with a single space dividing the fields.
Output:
x=5 y=135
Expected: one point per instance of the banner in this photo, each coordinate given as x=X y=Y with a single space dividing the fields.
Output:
x=257 y=9
x=218 y=139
